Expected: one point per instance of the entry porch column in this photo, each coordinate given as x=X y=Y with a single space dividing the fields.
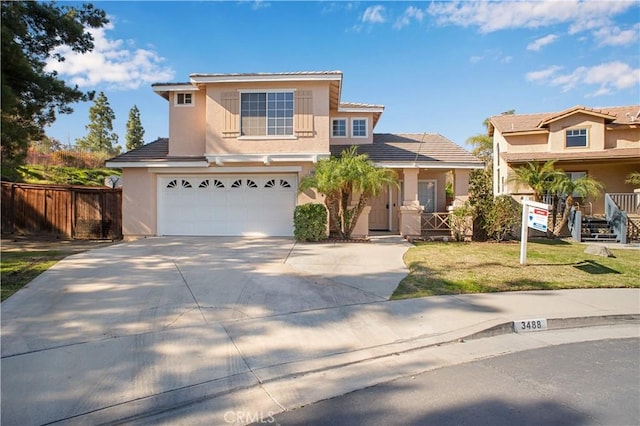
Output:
x=411 y=210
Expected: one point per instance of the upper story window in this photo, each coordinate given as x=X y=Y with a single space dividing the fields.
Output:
x=184 y=99
x=576 y=138
x=359 y=128
x=266 y=114
x=339 y=128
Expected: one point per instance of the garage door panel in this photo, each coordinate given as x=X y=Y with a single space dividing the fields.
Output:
x=227 y=205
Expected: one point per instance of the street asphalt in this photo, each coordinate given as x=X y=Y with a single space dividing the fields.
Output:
x=586 y=383
x=188 y=330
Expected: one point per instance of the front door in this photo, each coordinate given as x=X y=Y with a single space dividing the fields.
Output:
x=379 y=216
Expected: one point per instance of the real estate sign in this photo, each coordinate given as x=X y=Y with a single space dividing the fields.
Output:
x=534 y=215
x=538 y=218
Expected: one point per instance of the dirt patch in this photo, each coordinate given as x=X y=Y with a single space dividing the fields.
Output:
x=19 y=243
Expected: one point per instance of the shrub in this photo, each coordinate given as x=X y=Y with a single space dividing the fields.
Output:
x=504 y=216
x=461 y=222
x=310 y=222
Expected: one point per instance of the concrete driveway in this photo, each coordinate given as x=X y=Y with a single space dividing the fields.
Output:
x=160 y=316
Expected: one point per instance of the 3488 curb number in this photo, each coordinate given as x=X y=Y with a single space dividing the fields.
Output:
x=524 y=326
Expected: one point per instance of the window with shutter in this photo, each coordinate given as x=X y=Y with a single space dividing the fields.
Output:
x=304 y=113
x=230 y=103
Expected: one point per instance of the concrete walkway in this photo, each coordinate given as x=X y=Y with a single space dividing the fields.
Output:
x=189 y=330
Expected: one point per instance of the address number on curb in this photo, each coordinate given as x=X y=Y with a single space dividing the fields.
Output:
x=528 y=325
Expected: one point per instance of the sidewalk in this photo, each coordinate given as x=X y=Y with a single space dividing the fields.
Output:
x=286 y=361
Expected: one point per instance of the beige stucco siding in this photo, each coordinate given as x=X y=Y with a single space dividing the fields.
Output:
x=314 y=139
x=595 y=133
x=349 y=140
x=187 y=126
x=139 y=201
x=623 y=138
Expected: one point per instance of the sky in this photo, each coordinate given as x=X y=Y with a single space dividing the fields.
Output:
x=437 y=67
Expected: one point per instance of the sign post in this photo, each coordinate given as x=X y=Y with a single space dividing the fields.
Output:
x=536 y=216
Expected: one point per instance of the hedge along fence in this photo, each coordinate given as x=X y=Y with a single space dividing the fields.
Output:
x=62 y=211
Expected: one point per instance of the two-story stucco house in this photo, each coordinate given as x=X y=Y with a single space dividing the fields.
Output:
x=239 y=144
x=602 y=143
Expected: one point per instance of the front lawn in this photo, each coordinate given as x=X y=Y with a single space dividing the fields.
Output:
x=19 y=268
x=438 y=268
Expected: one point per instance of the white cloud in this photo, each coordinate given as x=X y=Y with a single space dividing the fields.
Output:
x=608 y=77
x=374 y=15
x=111 y=63
x=494 y=16
x=494 y=55
x=410 y=14
x=542 y=74
x=542 y=42
x=614 y=36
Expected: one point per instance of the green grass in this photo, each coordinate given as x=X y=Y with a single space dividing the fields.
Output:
x=19 y=268
x=438 y=268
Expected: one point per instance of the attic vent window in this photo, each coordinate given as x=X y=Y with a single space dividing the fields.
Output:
x=184 y=99
x=576 y=138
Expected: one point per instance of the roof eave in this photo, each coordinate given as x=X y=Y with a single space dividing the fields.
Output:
x=427 y=165
x=254 y=78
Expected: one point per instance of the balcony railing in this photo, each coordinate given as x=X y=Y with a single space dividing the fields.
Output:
x=628 y=202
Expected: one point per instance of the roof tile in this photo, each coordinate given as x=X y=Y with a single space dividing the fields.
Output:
x=410 y=147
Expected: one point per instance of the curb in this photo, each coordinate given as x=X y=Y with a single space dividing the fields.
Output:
x=151 y=406
x=559 y=324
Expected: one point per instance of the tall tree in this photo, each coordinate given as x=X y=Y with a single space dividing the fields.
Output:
x=31 y=96
x=340 y=179
x=101 y=137
x=482 y=148
x=135 y=131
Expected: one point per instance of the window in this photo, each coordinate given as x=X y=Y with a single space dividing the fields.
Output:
x=266 y=114
x=339 y=128
x=427 y=195
x=574 y=176
x=359 y=128
x=576 y=138
x=184 y=99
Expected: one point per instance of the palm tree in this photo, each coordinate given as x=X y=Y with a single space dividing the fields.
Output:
x=340 y=179
x=540 y=177
x=585 y=187
x=633 y=178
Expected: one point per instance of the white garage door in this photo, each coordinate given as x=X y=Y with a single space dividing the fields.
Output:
x=250 y=205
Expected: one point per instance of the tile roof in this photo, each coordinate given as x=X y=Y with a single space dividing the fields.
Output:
x=359 y=105
x=386 y=147
x=157 y=150
x=607 y=154
x=410 y=148
x=264 y=74
x=616 y=116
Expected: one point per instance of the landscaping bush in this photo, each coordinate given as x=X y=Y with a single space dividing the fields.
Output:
x=461 y=222
x=503 y=217
x=310 y=222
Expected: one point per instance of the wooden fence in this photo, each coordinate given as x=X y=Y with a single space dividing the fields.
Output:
x=77 y=212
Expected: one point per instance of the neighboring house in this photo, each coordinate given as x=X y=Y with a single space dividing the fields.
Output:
x=239 y=144
x=603 y=143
